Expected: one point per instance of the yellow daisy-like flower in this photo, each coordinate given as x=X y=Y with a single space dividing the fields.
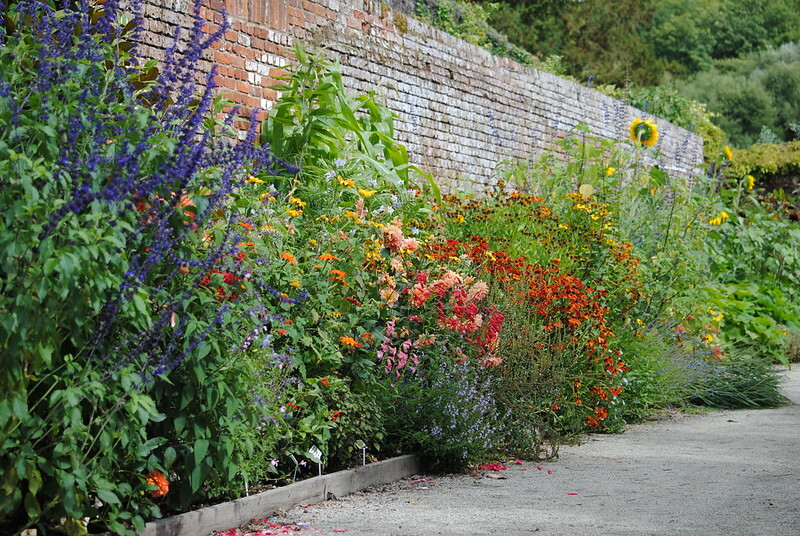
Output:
x=297 y=201
x=254 y=180
x=346 y=183
x=644 y=131
x=610 y=171
x=751 y=182
x=366 y=193
x=293 y=213
x=728 y=153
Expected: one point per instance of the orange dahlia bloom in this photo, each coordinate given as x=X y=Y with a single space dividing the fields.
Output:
x=157 y=478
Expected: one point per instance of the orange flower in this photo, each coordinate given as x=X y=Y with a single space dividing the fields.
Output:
x=350 y=341
x=245 y=225
x=601 y=412
x=157 y=478
x=328 y=257
x=616 y=391
x=288 y=257
x=592 y=422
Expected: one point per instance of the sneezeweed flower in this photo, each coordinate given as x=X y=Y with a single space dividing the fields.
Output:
x=297 y=201
x=751 y=182
x=157 y=478
x=366 y=193
x=294 y=213
x=328 y=257
x=288 y=257
x=254 y=180
x=644 y=131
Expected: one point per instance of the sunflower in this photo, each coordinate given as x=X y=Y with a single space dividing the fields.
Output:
x=644 y=131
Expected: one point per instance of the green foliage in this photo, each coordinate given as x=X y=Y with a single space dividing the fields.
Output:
x=751 y=92
x=692 y=35
x=469 y=21
x=767 y=160
x=757 y=271
x=740 y=382
x=116 y=360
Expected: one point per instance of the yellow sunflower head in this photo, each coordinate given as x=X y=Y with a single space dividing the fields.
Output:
x=644 y=131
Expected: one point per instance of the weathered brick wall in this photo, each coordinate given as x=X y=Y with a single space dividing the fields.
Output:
x=461 y=110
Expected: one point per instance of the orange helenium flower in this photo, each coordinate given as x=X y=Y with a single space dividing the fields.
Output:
x=328 y=257
x=288 y=257
x=156 y=478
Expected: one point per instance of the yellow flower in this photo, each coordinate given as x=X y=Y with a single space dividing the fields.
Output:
x=709 y=337
x=728 y=153
x=610 y=171
x=293 y=213
x=346 y=183
x=644 y=131
x=751 y=182
x=366 y=193
x=353 y=216
x=717 y=220
x=294 y=283
x=254 y=180
x=297 y=201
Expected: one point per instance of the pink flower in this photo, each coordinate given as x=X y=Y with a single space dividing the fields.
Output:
x=477 y=292
x=419 y=294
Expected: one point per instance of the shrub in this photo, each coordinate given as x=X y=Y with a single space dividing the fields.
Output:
x=125 y=296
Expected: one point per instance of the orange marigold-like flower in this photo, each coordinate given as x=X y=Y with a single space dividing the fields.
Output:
x=328 y=257
x=601 y=412
x=288 y=257
x=350 y=341
x=157 y=478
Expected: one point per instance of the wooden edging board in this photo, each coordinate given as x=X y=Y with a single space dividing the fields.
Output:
x=314 y=490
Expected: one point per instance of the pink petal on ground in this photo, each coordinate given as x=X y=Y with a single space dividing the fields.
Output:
x=571 y=493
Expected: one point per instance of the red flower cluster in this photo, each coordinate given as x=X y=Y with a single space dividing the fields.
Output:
x=222 y=294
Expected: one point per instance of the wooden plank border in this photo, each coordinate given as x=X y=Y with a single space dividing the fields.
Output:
x=314 y=490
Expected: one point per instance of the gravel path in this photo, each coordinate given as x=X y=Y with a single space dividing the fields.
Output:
x=724 y=473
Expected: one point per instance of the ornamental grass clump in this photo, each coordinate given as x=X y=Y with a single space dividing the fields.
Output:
x=126 y=295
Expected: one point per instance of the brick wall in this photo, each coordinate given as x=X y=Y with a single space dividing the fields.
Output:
x=460 y=110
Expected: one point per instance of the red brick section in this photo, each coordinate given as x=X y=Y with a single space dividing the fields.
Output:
x=460 y=110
